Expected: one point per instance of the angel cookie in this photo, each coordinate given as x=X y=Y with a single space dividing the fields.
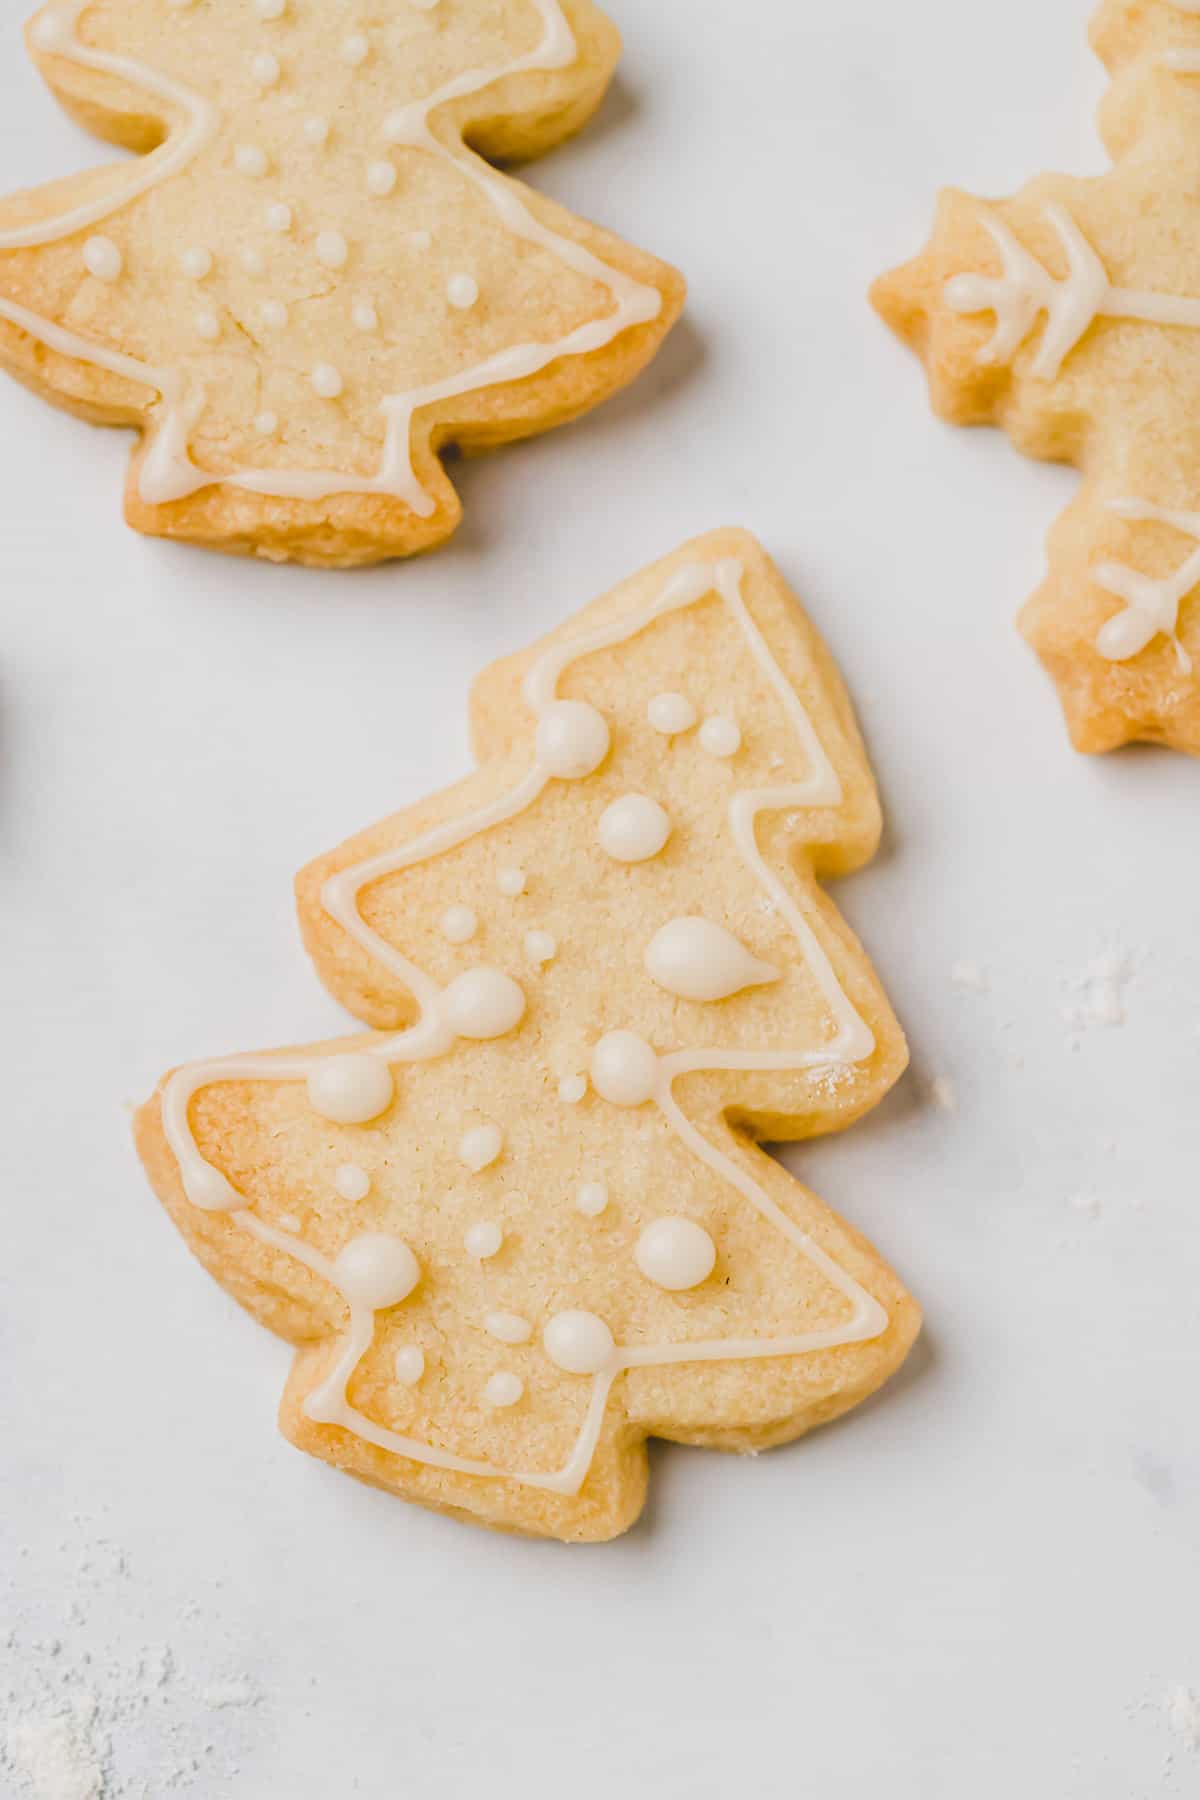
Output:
x=1071 y=316
x=523 y=1225
x=311 y=280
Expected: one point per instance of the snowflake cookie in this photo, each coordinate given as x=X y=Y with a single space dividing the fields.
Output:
x=524 y=1225
x=310 y=281
x=1071 y=316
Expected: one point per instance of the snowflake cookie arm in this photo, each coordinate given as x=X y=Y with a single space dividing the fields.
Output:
x=1070 y=316
x=313 y=285
x=533 y=1208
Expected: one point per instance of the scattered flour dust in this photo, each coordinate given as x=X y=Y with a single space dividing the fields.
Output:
x=1181 y=1709
x=1176 y=1713
x=89 y=1714
x=1099 y=991
x=970 y=975
x=59 y=1756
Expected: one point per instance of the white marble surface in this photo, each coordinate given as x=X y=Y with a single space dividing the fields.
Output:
x=984 y=1582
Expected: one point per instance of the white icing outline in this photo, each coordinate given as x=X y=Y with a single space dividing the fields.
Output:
x=1151 y=603
x=166 y=471
x=852 y=1042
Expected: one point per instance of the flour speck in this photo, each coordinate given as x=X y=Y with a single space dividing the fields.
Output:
x=1181 y=1709
x=1099 y=991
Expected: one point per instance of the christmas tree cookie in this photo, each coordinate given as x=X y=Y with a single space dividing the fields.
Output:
x=523 y=1224
x=1070 y=315
x=313 y=278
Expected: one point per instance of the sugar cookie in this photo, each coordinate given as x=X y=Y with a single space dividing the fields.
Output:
x=1071 y=316
x=524 y=1225
x=308 y=285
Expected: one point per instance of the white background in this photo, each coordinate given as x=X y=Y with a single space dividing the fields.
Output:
x=983 y=1582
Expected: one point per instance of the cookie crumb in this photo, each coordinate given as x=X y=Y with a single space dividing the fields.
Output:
x=970 y=975
x=943 y=1093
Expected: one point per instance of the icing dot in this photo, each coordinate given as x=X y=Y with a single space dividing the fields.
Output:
x=420 y=240
x=720 y=736
x=483 y=1003
x=401 y=126
x=332 y=249
x=208 y=326
x=50 y=32
x=327 y=381
x=409 y=1364
x=624 y=1069
x=508 y=1328
x=270 y=9
x=265 y=69
x=483 y=1240
x=572 y=739
x=253 y=260
x=511 y=882
x=480 y=1146
x=266 y=424
x=671 y=714
x=196 y=263
x=377 y=1271
x=316 y=130
x=504 y=1390
x=578 y=1342
x=591 y=1199
x=965 y=294
x=381 y=178
x=633 y=829
x=355 y=49
x=572 y=1088
x=675 y=1254
x=462 y=291
x=351 y=1182
x=248 y=159
x=364 y=315
x=274 y=314
x=698 y=960
x=459 y=924
x=541 y=946
x=279 y=216
x=351 y=1089
x=102 y=259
